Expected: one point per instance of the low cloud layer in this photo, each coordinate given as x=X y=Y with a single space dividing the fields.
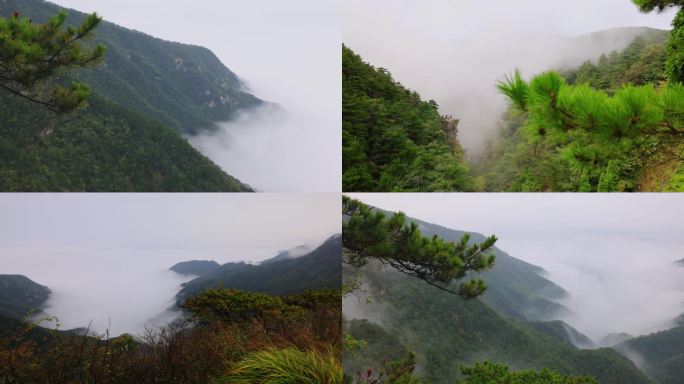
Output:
x=106 y=256
x=455 y=51
x=613 y=253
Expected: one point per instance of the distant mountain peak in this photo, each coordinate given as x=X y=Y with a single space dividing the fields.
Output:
x=195 y=267
x=20 y=295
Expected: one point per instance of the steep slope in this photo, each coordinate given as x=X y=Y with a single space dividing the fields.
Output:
x=660 y=354
x=105 y=148
x=183 y=86
x=195 y=267
x=321 y=268
x=515 y=288
x=391 y=139
x=147 y=92
x=19 y=295
x=445 y=331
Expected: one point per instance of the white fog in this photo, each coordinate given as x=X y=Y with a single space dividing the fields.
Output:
x=106 y=256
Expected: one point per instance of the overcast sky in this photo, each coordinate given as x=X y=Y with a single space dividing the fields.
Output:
x=455 y=51
x=612 y=252
x=106 y=256
x=288 y=52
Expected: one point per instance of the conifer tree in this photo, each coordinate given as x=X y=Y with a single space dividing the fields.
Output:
x=675 y=47
x=369 y=234
x=33 y=56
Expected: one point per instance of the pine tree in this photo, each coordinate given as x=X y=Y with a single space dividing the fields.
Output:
x=675 y=47
x=369 y=234
x=34 y=56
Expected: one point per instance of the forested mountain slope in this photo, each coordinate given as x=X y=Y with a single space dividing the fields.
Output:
x=321 y=268
x=195 y=267
x=146 y=94
x=590 y=143
x=105 y=148
x=20 y=295
x=391 y=139
x=446 y=331
x=183 y=86
x=660 y=354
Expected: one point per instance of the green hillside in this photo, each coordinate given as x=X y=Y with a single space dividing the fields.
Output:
x=446 y=332
x=391 y=139
x=20 y=295
x=321 y=268
x=146 y=94
x=106 y=148
x=662 y=354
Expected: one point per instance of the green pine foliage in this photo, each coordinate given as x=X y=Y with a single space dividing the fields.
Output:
x=369 y=234
x=391 y=139
x=611 y=126
x=33 y=56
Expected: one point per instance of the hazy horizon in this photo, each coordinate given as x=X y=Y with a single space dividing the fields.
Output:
x=455 y=52
x=288 y=54
x=611 y=252
x=106 y=257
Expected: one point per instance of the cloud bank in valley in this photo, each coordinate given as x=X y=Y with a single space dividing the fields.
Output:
x=455 y=51
x=106 y=256
x=288 y=53
x=613 y=253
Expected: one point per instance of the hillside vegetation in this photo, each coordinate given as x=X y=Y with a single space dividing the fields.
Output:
x=231 y=337
x=19 y=296
x=391 y=139
x=661 y=354
x=318 y=269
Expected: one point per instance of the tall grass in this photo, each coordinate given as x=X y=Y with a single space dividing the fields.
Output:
x=286 y=366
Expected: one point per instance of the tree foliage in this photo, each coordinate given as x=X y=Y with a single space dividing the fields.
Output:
x=391 y=139
x=488 y=373
x=33 y=56
x=369 y=234
x=675 y=47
